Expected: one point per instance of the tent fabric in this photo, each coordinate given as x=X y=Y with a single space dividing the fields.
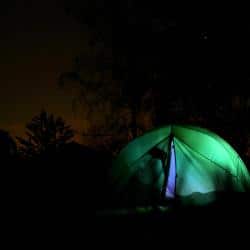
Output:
x=204 y=164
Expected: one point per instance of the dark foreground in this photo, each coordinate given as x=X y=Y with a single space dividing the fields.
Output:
x=226 y=222
x=57 y=209
x=70 y=224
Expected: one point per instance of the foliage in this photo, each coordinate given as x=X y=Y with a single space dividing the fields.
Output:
x=8 y=146
x=156 y=50
x=45 y=133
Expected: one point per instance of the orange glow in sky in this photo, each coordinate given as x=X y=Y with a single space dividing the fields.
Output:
x=37 y=43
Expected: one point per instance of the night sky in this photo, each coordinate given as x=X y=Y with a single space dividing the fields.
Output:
x=38 y=41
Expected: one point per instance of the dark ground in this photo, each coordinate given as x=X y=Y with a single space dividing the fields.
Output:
x=51 y=217
x=191 y=227
x=55 y=205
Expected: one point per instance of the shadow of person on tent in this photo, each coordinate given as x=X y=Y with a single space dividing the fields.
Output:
x=165 y=197
x=158 y=197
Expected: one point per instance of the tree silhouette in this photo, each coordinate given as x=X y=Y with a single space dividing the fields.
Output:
x=114 y=108
x=132 y=70
x=8 y=146
x=110 y=117
x=45 y=134
x=162 y=51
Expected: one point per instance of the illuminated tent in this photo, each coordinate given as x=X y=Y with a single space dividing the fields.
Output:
x=178 y=162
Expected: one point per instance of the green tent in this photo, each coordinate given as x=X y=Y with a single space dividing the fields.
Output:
x=177 y=162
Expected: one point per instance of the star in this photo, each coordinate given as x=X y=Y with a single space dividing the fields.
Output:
x=204 y=36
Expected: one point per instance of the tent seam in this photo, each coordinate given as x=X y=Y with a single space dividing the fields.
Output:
x=218 y=165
